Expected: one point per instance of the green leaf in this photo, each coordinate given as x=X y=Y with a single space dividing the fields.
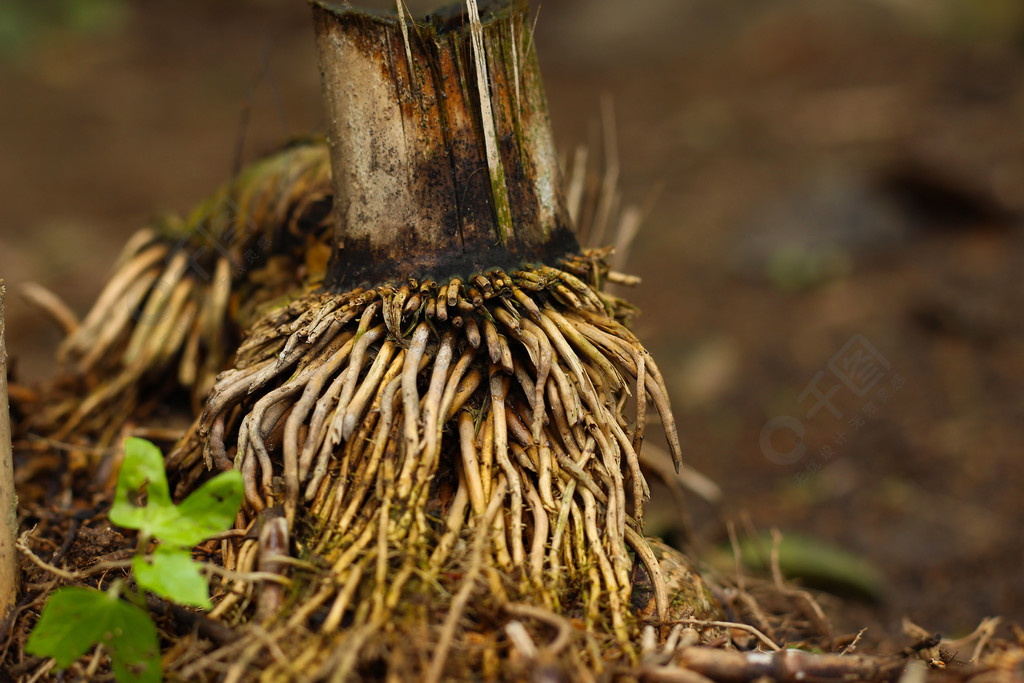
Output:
x=209 y=510
x=76 y=619
x=66 y=627
x=172 y=574
x=142 y=474
x=818 y=565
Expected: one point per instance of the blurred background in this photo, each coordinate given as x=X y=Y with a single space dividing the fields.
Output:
x=831 y=253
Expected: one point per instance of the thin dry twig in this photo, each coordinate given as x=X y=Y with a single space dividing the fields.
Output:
x=98 y=568
x=772 y=645
x=810 y=605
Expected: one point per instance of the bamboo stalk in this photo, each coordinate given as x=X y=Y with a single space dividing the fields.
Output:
x=8 y=501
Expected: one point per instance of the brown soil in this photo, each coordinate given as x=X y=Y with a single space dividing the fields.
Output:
x=886 y=138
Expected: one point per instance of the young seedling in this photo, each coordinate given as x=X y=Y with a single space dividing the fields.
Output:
x=76 y=618
x=170 y=571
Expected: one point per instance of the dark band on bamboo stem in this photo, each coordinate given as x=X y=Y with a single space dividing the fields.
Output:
x=415 y=190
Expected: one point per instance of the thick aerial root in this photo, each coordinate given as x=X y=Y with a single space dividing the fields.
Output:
x=183 y=290
x=390 y=423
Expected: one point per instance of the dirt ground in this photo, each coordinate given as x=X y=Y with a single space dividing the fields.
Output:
x=831 y=254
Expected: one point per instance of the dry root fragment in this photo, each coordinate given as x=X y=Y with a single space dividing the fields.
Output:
x=784 y=665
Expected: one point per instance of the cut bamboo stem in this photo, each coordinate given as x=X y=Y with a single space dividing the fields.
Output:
x=443 y=165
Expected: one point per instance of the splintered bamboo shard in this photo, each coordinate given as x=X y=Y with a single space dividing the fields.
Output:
x=8 y=509
x=443 y=165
